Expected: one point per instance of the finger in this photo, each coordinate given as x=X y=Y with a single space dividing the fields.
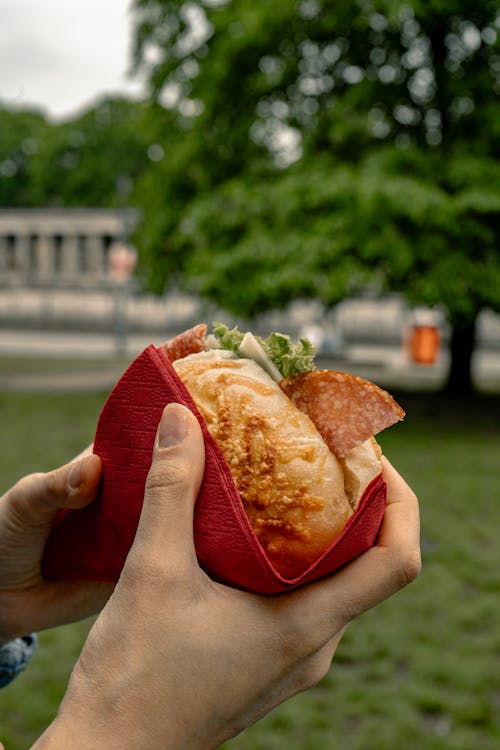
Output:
x=84 y=476
x=56 y=603
x=401 y=503
x=165 y=531
x=392 y=563
x=69 y=601
x=85 y=452
x=37 y=497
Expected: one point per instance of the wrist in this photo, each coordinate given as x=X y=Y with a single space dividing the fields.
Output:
x=72 y=731
x=91 y=720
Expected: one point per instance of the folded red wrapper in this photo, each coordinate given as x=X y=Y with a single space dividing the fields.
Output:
x=92 y=543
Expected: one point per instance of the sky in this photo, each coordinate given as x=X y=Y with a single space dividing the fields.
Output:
x=59 y=55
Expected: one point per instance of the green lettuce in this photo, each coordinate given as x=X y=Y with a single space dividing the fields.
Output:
x=288 y=357
x=229 y=338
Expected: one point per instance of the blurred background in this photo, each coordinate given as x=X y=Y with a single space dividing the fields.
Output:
x=327 y=169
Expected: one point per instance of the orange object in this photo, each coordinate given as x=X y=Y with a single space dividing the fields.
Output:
x=424 y=344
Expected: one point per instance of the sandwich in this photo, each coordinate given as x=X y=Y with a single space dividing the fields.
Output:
x=292 y=488
x=299 y=441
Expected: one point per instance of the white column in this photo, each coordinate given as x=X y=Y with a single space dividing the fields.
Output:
x=45 y=257
x=3 y=256
x=95 y=255
x=70 y=270
x=21 y=256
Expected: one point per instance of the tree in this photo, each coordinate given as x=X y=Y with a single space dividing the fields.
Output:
x=86 y=160
x=333 y=229
x=21 y=136
x=327 y=145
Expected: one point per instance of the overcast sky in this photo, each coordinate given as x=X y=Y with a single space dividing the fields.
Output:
x=61 y=54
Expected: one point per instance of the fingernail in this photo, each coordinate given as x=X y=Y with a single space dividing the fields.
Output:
x=173 y=426
x=77 y=475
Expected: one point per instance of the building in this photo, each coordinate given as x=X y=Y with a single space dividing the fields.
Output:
x=62 y=269
x=60 y=247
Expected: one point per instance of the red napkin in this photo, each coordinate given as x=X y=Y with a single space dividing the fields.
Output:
x=92 y=543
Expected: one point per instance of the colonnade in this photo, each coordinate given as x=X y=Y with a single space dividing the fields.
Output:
x=57 y=246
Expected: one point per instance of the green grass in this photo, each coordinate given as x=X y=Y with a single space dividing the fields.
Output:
x=419 y=671
x=21 y=365
x=40 y=432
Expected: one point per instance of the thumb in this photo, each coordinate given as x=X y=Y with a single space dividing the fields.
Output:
x=36 y=498
x=165 y=531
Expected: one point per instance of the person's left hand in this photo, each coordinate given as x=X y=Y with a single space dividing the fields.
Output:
x=27 y=512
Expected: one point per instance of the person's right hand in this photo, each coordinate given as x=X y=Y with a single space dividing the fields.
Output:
x=176 y=660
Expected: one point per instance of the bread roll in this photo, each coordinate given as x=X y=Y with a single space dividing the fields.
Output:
x=291 y=485
x=361 y=465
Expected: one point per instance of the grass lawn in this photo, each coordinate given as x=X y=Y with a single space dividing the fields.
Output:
x=420 y=671
x=23 y=365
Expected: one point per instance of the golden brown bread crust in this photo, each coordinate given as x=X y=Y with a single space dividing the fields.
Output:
x=291 y=486
x=361 y=464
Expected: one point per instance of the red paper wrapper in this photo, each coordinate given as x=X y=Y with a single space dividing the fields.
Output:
x=92 y=543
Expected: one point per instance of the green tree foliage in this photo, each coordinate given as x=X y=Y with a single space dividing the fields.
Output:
x=89 y=160
x=324 y=145
x=21 y=136
x=329 y=228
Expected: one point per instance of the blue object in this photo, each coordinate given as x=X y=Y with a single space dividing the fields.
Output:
x=15 y=655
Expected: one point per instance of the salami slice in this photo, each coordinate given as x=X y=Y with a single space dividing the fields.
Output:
x=191 y=341
x=346 y=410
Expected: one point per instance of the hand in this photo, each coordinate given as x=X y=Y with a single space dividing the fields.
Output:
x=176 y=660
x=27 y=513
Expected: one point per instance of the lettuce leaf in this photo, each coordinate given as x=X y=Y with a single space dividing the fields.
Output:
x=288 y=357
x=229 y=338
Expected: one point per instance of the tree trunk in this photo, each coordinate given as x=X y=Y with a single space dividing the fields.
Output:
x=462 y=342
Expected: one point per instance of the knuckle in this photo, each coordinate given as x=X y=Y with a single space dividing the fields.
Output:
x=300 y=630
x=140 y=571
x=20 y=493
x=51 y=489
x=47 y=486
x=52 y=483
x=25 y=483
x=314 y=669
x=404 y=565
x=146 y=571
x=411 y=566
x=172 y=473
